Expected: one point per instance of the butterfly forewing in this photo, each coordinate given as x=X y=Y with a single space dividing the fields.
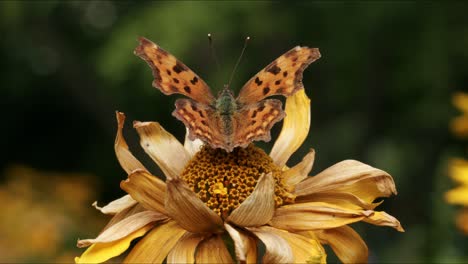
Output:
x=281 y=77
x=171 y=75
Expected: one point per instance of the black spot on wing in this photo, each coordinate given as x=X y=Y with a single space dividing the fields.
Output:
x=273 y=68
x=187 y=89
x=266 y=90
x=179 y=67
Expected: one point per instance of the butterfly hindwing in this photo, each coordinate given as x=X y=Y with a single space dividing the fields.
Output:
x=281 y=77
x=171 y=75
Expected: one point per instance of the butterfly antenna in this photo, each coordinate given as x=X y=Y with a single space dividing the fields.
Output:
x=213 y=51
x=238 y=61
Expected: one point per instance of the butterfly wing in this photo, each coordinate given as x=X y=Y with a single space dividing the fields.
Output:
x=254 y=121
x=171 y=75
x=283 y=76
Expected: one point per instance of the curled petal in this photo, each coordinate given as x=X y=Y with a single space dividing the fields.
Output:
x=126 y=159
x=116 y=206
x=351 y=176
x=299 y=172
x=163 y=148
x=184 y=250
x=245 y=246
x=384 y=219
x=213 y=250
x=277 y=248
x=296 y=126
x=156 y=245
x=346 y=243
x=315 y=215
x=343 y=199
x=183 y=205
x=192 y=146
x=305 y=249
x=124 y=228
x=147 y=189
x=98 y=253
x=259 y=207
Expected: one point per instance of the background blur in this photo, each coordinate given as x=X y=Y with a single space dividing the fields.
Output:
x=381 y=94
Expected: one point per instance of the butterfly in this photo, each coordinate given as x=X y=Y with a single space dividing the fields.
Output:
x=225 y=121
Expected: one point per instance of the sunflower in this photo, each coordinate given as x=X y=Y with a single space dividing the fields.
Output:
x=242 y=206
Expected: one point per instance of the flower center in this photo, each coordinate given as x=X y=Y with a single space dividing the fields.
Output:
x=223 y=180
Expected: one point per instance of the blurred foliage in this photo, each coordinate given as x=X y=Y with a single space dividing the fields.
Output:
x=380 y=93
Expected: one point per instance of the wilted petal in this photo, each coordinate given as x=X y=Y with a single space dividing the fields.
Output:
x=192 y=146
x=124 y=228
x=137 y=208
x=259 y=207
x=183 y=205
x=315 y=215
x=98 y=253
x=277 y=248
x=245 y=246
x=126 y=159
x=343 y=199
x=346 y=243
x=295 y=128
x=351 y=176
x=213 y=250
x=304 y=248
x=384 y=219
x=146 y=189
x=299 y=172
x=116 y=206
x=156 y=245
x=184 y=250
x=163 y=148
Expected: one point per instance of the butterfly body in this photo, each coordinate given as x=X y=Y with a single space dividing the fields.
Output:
x=226 y=121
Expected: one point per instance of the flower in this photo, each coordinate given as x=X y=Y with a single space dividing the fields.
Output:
x=212 y=198
x=459 y=125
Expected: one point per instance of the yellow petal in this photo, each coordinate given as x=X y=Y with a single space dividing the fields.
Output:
x=315 y=215
x=213 y=250
x=147 y=189
x=156 y=245
x=299 y=172
x=192 y=146
x=116 y=206
x=458 y=195
x=259 y=207
x=458 y=170
x=183 y=205
x=101 y=252
x=350 y=176
x=163 y=148
x=346 y=243
x=296 y=126
x=124 y=228
x=462 y=221
x=460 y=100
x=277 y=248
x=244 y=245
x=459 y=126
x=343 y=199
x=126 y=159
x=184 y=250
x=384 y=219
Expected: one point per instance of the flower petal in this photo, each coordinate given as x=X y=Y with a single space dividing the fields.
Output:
x=147 y=189
x=184 y=250
x=460 y=101
x=163 y=148
x=462 y=221
x=155 y=246
x=384 y=219
x=245 y=246
x=192 y=146
x=458 y=195
x=183 y=205
x=346 y=243
x=458 y=170
x=116 y=206
x=343 y=199
x=126 y=159
x=304 y=248
x=259 y=207
x=124 y=228
x=351 y=176
x=277 y=248
x=98 y=253
x=299 y=172
x=296 y=126
x=213 y=250
x=315 y=215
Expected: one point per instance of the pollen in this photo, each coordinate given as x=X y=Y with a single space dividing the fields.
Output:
x=223 y=180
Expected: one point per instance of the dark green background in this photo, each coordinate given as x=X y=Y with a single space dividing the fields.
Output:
x=381 y=93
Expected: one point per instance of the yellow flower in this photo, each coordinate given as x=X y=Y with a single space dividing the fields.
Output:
x=458 y=171
x=245 y=197
x=459 y=125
